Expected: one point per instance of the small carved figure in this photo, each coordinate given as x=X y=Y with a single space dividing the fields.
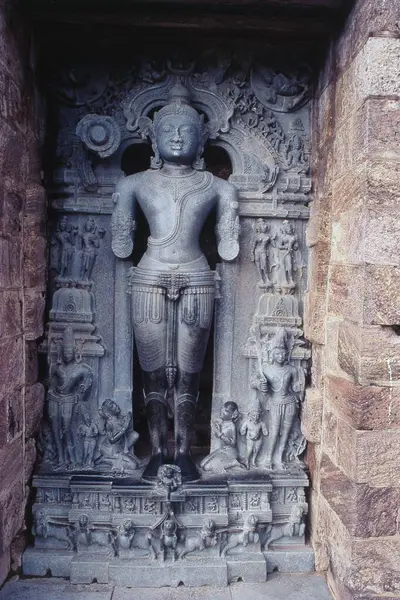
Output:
x=89 y=432
x=169 y=478
x=149 y=507
x=293 y=528
x=119 y=437
x=168 y=539
x=90 y=241
x=46 y=444
x=86 y=534
x=206 y=538
x=70 y=381
x=224 y=428
x=295 y=156
x=259 y=252
x=254 y=429
x=284 y=385
x=65 y=238
x=122 y=538
x=44 y=526
x=248 y=535
x=286 y=243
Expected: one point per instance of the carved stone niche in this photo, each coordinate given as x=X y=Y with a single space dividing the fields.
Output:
x=245 y=513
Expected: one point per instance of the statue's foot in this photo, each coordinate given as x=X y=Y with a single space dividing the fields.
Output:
x=188 y=468
x=155 y=462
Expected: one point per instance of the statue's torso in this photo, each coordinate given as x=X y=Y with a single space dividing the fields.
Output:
x=176 y=209
x=280 y=383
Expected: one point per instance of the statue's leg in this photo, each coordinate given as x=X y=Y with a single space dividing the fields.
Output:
x=150 y=328
x=274 y=430
x=288 y=417
x=55 y=422
x=157 y=419
x=193 y=329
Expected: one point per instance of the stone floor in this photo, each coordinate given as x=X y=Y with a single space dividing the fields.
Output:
x=278 y=587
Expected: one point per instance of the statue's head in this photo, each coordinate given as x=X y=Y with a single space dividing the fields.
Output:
x=251 y=523
x=255 y=416
x=128 y=526
x=177 y=131
x=287 y=227
x=63 y=223
x=83 y=520
x=262 y=226
x=68 y=345
x=279 y=347
x=90 y=226
x=169 y=526
x=109 y=408
x=229 y=411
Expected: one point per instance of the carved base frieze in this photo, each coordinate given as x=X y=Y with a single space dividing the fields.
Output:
x=129 y=531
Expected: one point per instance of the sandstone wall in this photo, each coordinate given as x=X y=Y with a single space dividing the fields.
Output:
x=22 y=277
x=352 y=412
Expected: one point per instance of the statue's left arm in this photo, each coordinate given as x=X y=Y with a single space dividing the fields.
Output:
x=228 y=227
x=122 y=220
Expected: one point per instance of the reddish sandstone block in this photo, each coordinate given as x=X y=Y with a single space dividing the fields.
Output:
x=12 y=508
x=375 y=566
x=311 y=415
x=10 y=313
x=369 y=456
x=34 y=402
x=370 y=354
x=348 y=242
x=346 y=291
x=35 y=258
x=363 y=510
x=11 y=361
x=34 y=304
x=31 y=362
x=364 y=407
x=314 y=317
x=329 y=437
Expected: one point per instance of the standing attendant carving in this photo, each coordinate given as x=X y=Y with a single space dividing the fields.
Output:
x=70 y=382
x=259 y=253
x=65 y=238
x=286 y=244
x=173 y=287
x=283 y=383
x=90 y=240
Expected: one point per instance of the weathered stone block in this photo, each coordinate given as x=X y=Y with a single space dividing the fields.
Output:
x=364 y=511
x=373 y=72
x=10 y=261
x=369 y=353
x=314 y=317
x=364 y=407
x=375 y=566
x=10 y=313
x=35 y=257
x=12 y=508
x=329 y=437
x=348 y=241
x=346 y=291
x=369 y=456
x=11 y=364
x=34 y=304
x=34 y=402
x=367 y=17
x=31 y=362
x=311 y=417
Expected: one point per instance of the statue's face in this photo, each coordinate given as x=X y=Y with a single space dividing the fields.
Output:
x=254 y=417
x=263 y=225
x=63 y=224
x=279 y=356
x=178 y=139
x=112 y=407
x=68 y=353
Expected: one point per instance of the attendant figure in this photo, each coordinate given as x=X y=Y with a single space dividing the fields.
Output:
x=224 y=428
x=254 y=429
x=116 y=445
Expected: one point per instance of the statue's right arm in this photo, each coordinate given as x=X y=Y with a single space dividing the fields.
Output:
x=122 y=219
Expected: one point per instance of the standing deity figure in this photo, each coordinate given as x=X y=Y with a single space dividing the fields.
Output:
x=259 y=252
x=70 y=381
x=90 y=240
x=286 y=244
x=65 y=239
x=283 y=383
x=173 y=287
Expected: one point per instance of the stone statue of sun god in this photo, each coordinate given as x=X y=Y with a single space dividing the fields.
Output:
x=173 y=287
